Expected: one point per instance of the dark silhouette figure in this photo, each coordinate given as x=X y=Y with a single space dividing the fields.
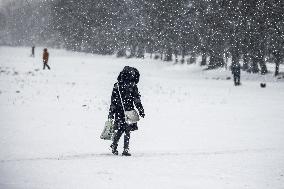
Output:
x=45 y=58
x=127 y=87
x=277 y=57
x=33 y=51
x=236 y=71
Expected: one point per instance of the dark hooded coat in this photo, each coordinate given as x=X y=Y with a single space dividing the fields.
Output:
x=127 y=85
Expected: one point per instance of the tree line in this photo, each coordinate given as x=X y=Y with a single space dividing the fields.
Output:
x=214 y=29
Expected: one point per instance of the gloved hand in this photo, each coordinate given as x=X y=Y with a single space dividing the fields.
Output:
x=142 y=114
x=110 y=116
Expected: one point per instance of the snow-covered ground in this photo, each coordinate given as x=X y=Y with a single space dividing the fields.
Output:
x=200 y=131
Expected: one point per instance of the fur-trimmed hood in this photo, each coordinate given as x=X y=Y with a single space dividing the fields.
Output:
x=128 y=74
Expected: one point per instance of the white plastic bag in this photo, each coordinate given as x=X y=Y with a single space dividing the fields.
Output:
x=108 y=131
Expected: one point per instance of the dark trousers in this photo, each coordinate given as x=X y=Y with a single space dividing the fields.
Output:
x=45 y=65
x=237 y=79
x=118 y=134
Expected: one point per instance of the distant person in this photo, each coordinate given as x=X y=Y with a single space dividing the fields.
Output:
x=45 y=58
x=33 y=51
x=236 y=71
x=124 y=96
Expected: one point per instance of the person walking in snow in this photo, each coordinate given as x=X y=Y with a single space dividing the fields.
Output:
x=124 y=91
x=45 y=58
x=236 y=71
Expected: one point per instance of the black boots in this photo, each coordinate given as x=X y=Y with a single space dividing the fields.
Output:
x=114 y=149
x=115 y=152
x=126 y=153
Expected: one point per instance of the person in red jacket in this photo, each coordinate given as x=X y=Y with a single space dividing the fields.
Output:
x=45 y=58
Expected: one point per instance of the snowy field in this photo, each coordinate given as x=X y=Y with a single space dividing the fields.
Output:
x=199 y=132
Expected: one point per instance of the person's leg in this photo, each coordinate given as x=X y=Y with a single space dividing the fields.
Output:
x=235 y=79
x=117 y=136
x=126 y=140
x=115 y=141
x=126 y=143
x=239 y=79
x=47 y=66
